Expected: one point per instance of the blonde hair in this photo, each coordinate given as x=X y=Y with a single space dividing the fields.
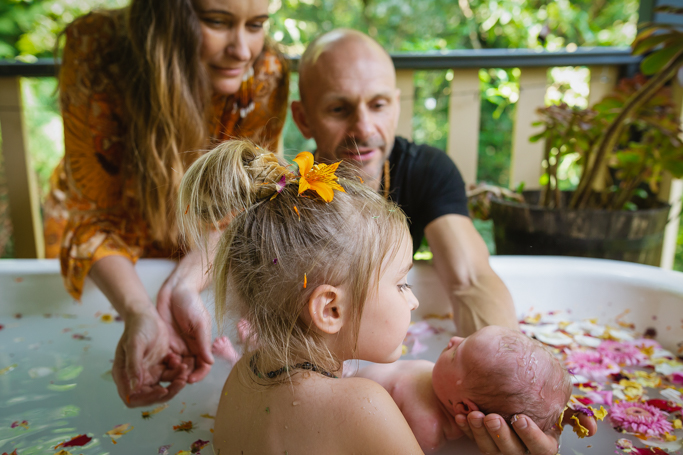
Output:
x=278 y=247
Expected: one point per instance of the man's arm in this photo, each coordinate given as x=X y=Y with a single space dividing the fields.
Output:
x=461 y=259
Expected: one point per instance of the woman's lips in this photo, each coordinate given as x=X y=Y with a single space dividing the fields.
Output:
x=228 y=72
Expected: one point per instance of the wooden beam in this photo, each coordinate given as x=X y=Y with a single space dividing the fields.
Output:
x=24 y=203
x=526 y=158
x=404 y=82
x=464 y=110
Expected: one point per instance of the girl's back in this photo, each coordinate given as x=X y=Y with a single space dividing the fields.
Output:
x=312 y=414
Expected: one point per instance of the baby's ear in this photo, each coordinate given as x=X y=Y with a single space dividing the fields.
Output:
x=325 y=310
x=465 y=407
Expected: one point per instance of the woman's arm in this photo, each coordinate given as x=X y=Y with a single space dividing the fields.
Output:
x=145 y=343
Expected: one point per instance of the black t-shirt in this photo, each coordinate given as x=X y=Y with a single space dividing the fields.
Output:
x=426 y=184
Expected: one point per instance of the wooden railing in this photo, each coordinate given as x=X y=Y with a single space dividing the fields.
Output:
x=605 y=65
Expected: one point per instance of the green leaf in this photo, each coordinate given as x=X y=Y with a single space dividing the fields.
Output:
x=654 y=62
x=649 y=43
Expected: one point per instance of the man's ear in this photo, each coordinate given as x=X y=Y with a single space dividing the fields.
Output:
x=299 y=116
x=325 y=309
x=465 y=407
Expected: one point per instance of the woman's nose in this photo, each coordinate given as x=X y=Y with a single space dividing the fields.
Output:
x=238 y=47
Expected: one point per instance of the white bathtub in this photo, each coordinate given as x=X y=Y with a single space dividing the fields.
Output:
x=65 y=400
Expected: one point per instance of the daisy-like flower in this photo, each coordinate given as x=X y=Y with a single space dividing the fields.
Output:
x=317 y=177
x=640 y=418
x=591 y=365
x=623 y=353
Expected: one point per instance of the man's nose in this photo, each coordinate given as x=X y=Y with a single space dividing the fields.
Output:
x=362 y=127
x=237 y=46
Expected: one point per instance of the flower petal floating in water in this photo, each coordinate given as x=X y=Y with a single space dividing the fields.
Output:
x=163 y=450
x=198 y=445
x=107 y=318
x=76 y=441
x=14 y=452
x=8 y=369
x=640 y=418
x=317 y=177
x=623 y=353
x=61 y=452
x=118 y=431
x=664 y=405
x=157 y=410
x=631 y=389
x=590 y=364
x=23 y=424
x=186 y=426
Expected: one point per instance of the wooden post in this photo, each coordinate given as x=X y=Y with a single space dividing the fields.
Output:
x=24 y=204
x=404 y=82
x=464 y=110
x=526 y=158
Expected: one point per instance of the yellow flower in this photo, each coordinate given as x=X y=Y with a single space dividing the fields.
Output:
x=599 y=414
x=319 y=177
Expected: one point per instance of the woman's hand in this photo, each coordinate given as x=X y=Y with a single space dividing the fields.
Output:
x=493 y=435
x=139 y=362
x=189 y=325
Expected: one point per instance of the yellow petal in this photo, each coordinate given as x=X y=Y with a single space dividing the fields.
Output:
x=303 y=184
x=599 y=414
x=579 y=429
x=305 y=162
x=323 y=189
x=677 y=424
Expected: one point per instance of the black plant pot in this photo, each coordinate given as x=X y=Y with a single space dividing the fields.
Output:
x=529 y=229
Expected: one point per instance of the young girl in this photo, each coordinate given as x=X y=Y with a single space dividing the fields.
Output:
x=317 y=265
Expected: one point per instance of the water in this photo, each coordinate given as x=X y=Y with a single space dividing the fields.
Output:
x=62 y=387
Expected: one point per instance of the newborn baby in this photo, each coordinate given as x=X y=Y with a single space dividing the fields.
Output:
x=495 y=370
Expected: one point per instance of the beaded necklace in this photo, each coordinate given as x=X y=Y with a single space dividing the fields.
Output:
x=286 y=368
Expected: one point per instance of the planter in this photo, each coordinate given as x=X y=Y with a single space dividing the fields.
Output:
x=529 y=229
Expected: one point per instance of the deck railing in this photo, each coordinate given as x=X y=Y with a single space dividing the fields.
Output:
x=605 y=64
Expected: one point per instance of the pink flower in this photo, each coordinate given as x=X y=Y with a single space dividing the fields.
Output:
x=590 y=364
x=623 y=353
x=639 y=418
x=600 y=397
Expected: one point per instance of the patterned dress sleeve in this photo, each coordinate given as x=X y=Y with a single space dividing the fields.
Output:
x=94 y=137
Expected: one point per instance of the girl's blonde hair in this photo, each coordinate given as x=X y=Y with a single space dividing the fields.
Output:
x=278 y=247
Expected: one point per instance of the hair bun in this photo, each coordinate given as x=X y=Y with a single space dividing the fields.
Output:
x=266 y=172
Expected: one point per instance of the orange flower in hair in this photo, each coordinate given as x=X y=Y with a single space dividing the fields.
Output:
x=317 y=177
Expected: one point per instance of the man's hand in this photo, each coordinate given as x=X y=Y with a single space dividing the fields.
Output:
x=139 y=362
x=494 y=437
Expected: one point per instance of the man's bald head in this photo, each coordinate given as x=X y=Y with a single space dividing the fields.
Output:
x=349 y=101
x=339 y=45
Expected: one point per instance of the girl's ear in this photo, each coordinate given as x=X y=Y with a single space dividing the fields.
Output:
x=465 y=407
x=325 y=309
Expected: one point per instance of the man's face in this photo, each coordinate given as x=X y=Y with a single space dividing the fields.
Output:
x=351 y=106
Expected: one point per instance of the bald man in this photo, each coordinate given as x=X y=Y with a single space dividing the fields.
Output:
x=350 y=106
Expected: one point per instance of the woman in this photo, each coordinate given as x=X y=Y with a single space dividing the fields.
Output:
x=143 y=90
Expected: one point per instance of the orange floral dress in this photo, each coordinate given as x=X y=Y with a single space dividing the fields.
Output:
x=92 y=211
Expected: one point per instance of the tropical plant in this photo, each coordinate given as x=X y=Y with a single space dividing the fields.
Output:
x=634 y=133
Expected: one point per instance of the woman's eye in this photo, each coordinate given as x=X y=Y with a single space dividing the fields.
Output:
x=404 y=287
x=255 y=25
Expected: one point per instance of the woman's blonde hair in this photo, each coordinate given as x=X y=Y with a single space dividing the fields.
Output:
x=278 y=247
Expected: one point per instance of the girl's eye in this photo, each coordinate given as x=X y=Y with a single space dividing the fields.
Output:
x=404 y=287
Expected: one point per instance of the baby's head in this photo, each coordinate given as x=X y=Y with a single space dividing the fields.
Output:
x=503 y=371
x=280 y=248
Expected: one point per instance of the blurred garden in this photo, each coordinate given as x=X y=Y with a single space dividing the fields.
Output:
x=29 y=30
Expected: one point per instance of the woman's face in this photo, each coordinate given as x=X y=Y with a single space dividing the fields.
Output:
x=232 y=38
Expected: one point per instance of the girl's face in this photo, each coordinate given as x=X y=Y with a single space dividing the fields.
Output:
x=232 y=39
x=386 y=314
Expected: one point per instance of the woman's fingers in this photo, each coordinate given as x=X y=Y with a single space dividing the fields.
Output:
x=536 y=441
x=505 y=440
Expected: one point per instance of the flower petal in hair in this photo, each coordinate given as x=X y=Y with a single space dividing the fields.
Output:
x=279 y=186
x=317 y=177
